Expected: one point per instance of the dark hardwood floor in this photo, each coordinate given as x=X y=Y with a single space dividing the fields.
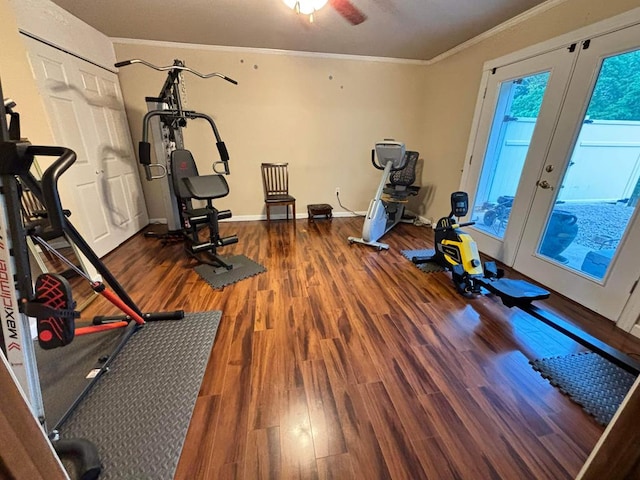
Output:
x=344 y=362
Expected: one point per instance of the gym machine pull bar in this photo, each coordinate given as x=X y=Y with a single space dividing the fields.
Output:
x=175 y=67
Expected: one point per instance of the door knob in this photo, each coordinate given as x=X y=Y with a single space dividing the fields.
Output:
x=544 y=184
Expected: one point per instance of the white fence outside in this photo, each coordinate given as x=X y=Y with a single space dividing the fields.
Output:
x=605 y=166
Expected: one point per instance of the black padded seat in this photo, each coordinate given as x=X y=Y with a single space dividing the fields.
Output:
x=207 y=186
x=515 y=293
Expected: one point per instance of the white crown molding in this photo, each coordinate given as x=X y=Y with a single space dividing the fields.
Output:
x=512 y=22
x=603 y=27
x=265 y=51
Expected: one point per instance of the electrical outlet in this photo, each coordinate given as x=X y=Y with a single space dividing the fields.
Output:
x=337 y=191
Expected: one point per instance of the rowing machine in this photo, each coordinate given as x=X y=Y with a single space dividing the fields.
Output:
x=457 y=252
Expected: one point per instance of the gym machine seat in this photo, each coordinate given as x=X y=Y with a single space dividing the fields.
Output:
x=188 y=185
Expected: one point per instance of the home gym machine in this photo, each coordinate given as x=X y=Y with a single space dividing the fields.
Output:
x=458 y=253
x=387 y=207
x=51 y=305
x=166 y=118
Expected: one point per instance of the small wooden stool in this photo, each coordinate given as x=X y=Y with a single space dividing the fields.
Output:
x=319 y=209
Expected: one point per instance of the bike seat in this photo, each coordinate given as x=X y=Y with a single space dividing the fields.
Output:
x=514 y=293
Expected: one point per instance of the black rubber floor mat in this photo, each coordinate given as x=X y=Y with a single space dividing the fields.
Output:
x=428 y=267
x=219 y=277
x=138 y=414
x=591 y=381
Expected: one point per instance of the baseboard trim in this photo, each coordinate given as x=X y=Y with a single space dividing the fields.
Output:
x=282 y=216
x=252 y=218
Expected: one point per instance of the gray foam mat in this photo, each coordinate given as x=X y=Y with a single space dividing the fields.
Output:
x=591 y=381
x=219 y=277
x=63 y=371
x=428 y=267
x=138 y=414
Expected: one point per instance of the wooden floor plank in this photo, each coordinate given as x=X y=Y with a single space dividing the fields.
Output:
x=328 y=438
x=298 y=459
x=263 y=454
x=395 y=445
x=196 y=463
x=266 y=382
x=335 y=467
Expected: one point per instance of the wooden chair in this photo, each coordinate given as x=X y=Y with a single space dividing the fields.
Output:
x=275 y=181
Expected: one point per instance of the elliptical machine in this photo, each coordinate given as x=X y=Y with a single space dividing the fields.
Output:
x=386 y=209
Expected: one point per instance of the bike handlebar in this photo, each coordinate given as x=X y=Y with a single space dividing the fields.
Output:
x=175 y=67
x=454 y=226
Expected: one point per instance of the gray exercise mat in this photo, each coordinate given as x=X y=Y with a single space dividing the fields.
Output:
x=219 y=277
x=63 y=371
x=428 y=267
x=138 y=414
x=590 y=380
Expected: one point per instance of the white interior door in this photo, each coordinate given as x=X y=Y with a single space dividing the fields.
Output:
x=582 y=237
x=102 y=189
x=520 y=110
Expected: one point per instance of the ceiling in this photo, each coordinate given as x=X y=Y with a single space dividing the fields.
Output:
x=409 y=29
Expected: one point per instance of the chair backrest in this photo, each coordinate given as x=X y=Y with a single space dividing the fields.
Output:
x=275 y=179
x=182 y=166
x=407 y=175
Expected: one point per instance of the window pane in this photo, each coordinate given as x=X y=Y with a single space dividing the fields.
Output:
x=513 y=125
x=601 y=186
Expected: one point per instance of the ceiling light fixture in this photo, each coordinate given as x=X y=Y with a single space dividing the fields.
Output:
x=306 y=7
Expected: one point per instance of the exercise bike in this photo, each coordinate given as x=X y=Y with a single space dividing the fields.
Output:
x=386 y=209
x=457 y=252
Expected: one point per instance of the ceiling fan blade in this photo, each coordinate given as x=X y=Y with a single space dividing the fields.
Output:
x=349 y=11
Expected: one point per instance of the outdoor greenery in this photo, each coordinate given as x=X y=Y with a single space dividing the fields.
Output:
x=616 y=95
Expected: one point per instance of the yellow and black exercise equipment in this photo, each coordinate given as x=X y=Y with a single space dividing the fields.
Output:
x=457 y=252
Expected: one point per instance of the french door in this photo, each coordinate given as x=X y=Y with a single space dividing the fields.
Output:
x=569 y=219
x=520 y=110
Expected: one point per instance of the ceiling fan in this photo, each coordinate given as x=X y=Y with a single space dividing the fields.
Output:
x=344 y=7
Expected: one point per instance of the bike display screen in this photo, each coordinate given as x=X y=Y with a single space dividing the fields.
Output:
x=459 y=203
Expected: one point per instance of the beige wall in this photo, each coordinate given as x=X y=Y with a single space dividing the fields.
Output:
x=285 y=108
x=452 y=88
x=18 y=82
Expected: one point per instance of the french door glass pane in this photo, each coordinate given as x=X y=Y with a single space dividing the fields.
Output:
x=601 y=186
x=513 y=125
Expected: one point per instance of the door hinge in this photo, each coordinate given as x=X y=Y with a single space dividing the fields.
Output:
x=572 y=48
x=470 y=158
x=633 y=287
x=494 y=70
x=585 y=44
x=484 y=94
